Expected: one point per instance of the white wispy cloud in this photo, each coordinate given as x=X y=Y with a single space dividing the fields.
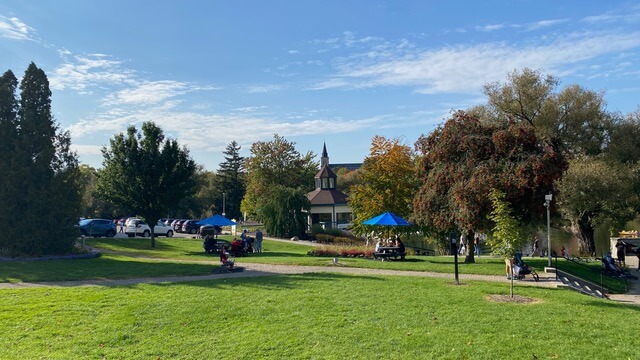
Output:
x=87 y=149
x=81 y=72
x=544 y=24
x=209 y=132
x=465 y=68
x=488 y=28
x=148 y=93
x=15 y=29
x=255 y=89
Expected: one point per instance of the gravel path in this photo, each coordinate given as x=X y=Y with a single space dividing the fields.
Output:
x=255 y=270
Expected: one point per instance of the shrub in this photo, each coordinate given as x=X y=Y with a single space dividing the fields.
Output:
x=324 y=238
x=341 y=251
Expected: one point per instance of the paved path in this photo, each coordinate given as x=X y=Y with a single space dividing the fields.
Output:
x=255 y=270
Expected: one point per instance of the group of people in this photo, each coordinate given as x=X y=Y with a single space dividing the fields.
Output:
x=462 y=247
x=244 y=245
x=391 y=243
x=610 y=264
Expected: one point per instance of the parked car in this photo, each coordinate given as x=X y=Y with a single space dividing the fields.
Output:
x=210 y=230
x=140 y=228
x=97 y=227
x=177 y=225
x=190 y=227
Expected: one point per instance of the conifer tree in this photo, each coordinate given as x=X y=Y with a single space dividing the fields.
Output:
x=8 y=125
x=41 y=177
x=231 y=181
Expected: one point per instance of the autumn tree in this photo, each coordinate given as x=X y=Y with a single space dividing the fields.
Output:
x=347 y=179
x=276 y=169
x=146 y=173
x=39 y=179
x=386 y=181
x=464 y=159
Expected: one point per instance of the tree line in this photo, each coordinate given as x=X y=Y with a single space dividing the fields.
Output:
x=529 y=139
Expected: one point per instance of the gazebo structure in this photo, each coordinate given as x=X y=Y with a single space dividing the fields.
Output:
x=328 y=204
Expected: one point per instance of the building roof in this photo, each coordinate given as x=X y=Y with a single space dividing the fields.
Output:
x=327 y=197
x=326 y=172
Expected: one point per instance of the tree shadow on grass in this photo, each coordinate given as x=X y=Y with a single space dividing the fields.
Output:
x=268 y=280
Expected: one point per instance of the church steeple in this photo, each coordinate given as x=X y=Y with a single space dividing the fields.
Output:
x=324 y=160
x=325 y=178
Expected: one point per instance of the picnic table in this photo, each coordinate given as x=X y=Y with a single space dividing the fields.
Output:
x=389 y=252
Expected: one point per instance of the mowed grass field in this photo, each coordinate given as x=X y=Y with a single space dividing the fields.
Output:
x=133 y=257
x=310 y=316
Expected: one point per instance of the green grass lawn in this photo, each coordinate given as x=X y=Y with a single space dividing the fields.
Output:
x=130 y=257
x=312 y=316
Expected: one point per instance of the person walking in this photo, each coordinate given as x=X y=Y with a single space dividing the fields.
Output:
x=258 y=248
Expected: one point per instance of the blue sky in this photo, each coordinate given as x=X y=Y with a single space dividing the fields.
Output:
x=334 y=71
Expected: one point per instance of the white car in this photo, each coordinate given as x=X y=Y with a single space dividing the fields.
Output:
x=140 y=228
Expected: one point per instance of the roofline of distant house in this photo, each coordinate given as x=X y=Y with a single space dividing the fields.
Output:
x=350 y=166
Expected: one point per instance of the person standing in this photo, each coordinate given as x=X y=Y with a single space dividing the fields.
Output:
x=620 y=247
x=463 y=246
x=536 y=248
x=476 y=245
x=258 y=241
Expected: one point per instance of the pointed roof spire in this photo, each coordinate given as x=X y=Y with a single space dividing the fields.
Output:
x=324 y=150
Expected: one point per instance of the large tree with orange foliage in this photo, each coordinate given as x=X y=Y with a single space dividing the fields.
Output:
x=387 y=181
x=463 y=160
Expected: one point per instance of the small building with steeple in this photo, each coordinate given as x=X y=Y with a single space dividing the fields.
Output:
x=328 y=204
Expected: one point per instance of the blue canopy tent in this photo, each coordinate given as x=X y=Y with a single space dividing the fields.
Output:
x=217 y=220
x=387 y=220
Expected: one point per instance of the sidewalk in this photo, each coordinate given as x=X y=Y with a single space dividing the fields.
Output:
x=255 y=270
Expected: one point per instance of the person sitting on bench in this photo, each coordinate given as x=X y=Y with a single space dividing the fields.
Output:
x=609 y=265
x=399 y=245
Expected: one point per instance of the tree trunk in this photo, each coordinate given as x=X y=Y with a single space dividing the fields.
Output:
x=470 y=253
x=586 y=236
x=153 y=236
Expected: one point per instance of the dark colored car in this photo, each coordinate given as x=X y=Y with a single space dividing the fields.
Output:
x=190 y=227
x=210 y=230
x=97 y=227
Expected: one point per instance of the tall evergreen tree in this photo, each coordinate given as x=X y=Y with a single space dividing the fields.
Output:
x=44 y=165
x=8 y=133
x=231 y=182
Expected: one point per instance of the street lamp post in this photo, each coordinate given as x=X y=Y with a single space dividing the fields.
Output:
x=224 y=195
x=547 y=203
